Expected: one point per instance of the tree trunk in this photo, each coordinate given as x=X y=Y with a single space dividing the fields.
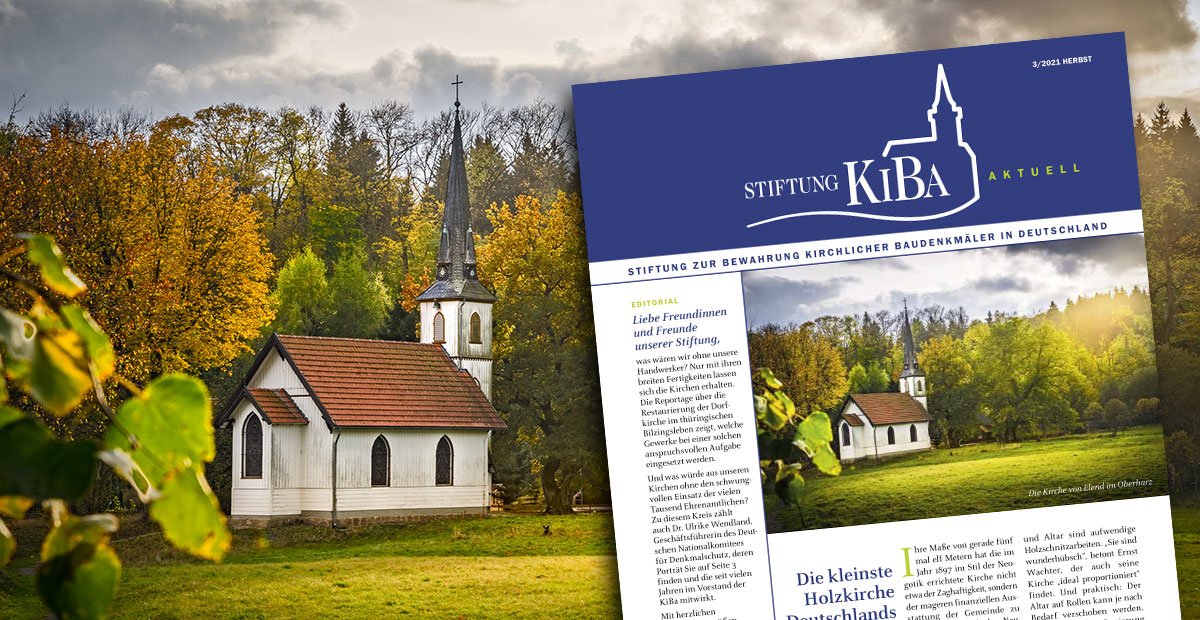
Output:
x=557 y=502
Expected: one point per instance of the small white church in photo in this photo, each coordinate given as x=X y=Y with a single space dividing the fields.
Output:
x=888 y=424
x=348 y=430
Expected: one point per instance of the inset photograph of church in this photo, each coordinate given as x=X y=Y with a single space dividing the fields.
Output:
x=962 y=382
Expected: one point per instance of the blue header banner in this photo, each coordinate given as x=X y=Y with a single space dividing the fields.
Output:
x=864 y=146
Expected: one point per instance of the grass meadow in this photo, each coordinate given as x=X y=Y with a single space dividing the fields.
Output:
x=1186 y=517
x=987 y=477
x=504 y=567
x=499 y=567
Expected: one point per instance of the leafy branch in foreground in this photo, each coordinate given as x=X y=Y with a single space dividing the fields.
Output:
x=158 y=441
x=781 y=430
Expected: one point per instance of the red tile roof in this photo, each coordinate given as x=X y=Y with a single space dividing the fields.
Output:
x=890 y=408
x=852 y=419
x=276 y=406
x=381 y=383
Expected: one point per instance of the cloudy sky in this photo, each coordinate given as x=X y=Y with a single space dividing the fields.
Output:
x=1016 y=278
x=169 y=56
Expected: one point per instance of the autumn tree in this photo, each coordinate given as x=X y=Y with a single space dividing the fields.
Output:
x=806 y=363
x=545 y=368
x=178 y=267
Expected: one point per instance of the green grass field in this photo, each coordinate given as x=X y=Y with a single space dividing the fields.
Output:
x=1186 y=517
x=499 y=567
x=980 y=478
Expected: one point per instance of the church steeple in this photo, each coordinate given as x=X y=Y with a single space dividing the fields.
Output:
x=456 y=310
x=457 y=273
x=910 y=349
x=912 y=378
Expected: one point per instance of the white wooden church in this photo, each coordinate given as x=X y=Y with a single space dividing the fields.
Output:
x=887 y=424
x=348 y=430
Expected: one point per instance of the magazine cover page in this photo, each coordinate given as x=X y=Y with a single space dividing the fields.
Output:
x=875 y=338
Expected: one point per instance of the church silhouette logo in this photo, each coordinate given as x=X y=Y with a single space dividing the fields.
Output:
x=914 y=179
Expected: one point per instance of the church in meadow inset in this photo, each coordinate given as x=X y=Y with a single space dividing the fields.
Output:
x=343 y=429
x=878 y=425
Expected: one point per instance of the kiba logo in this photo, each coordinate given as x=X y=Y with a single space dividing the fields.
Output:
x=914 y=179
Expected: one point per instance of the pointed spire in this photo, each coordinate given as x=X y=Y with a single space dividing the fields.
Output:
x=941 y=91
x=457 y=277
x=910 y=348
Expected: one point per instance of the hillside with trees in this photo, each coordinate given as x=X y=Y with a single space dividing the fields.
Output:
x=200 y=235
x=1084 y=366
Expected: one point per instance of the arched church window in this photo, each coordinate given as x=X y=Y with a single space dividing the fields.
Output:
x=912 y=432
x=439 y=328
x=444 y=475
x=476 y=329
x=252 y=447
x=845 y=434
x=920 y=385
x=381 y=457
x=891 y=435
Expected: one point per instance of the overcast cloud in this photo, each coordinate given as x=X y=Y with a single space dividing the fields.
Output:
x=177 y=56
x=1018 y=278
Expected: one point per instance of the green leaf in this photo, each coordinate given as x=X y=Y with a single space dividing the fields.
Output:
x=774 y=415
x=14 y=506
x=772 y=448
x=17 y=332
x=172 y=419
x=46 y=359
x=7 y=544
x=123 y=464
x=8 y=415
x=789 y=408
x=72 y=531
x=79 y=572
x=172 y=422
x=814 y=435
x=190 y=515
x=95 y=341
x=786 y=470
x=36 y=465
x=769 y=378
x=56 y=378
x=44 y=253
x=791 y=489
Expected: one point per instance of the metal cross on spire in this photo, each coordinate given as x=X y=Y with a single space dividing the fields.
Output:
x=456 y=82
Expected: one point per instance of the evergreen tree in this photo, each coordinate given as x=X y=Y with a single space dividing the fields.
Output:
x=1187 y=143
x=1161 y=127
x=490 y=181
x=1186 y=128
x=1141 y=133
x=341 y=135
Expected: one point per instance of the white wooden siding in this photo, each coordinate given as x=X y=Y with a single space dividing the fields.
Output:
x=275 y=373
x=870 y=441
x=458 y=346
x=297 y=460
x=413 y=456
x=250 y=496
